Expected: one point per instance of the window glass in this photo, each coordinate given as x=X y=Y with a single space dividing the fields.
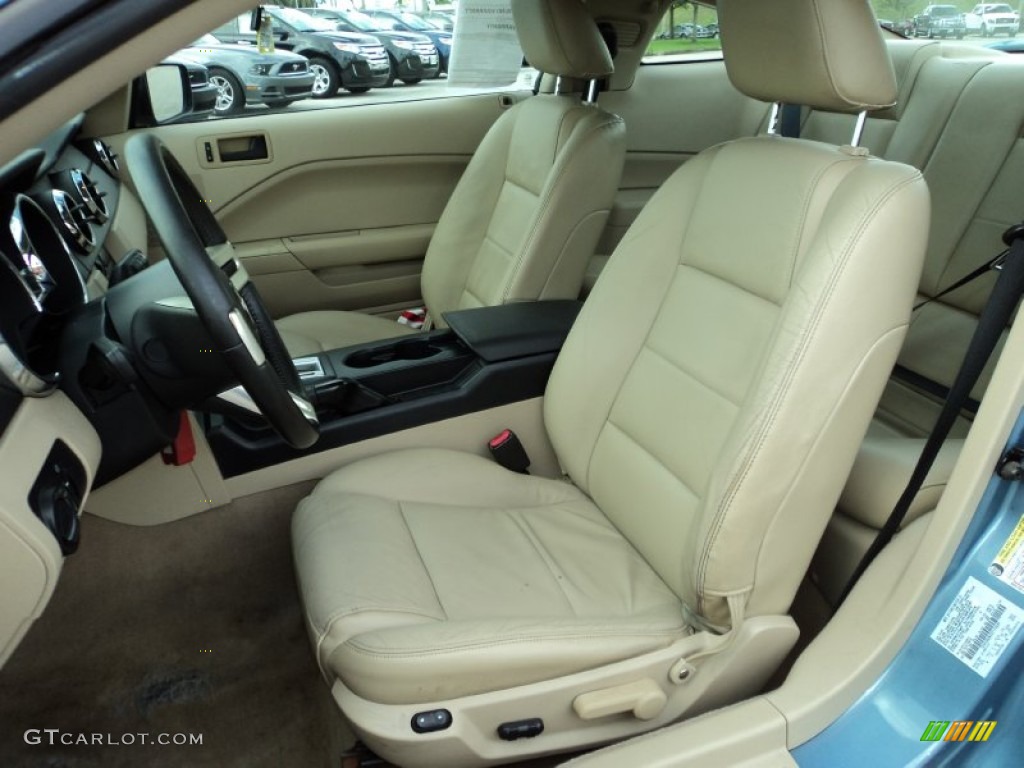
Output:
x=687 y=30
x=310 y=55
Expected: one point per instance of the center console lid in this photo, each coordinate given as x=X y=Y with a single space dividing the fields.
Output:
x=514 y=330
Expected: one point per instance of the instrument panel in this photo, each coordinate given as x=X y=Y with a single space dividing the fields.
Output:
x=57 y=203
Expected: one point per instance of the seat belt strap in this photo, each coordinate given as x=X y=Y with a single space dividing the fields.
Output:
x=993 y=321
x=970 y=277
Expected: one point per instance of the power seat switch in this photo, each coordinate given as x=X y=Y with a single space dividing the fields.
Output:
x=509 y=452
x=434 y=720
x=521 y=729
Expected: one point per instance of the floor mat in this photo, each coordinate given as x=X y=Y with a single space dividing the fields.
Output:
x=189 y=628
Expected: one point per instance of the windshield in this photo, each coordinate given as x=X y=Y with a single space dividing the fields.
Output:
x=944 y=10
x=302 y=22
x=415 y=22
x=997 y=9
x=362 y=22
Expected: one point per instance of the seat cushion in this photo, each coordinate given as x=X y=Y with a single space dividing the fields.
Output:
x=432 y=574
x=309 y=333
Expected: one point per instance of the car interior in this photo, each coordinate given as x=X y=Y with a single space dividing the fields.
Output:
x=688 y=326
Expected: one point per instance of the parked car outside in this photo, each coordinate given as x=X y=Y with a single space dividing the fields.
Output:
x=402 y=21
x=988 y=19
x=940 y=21
x=204 y=93
x=443 y=21
x=413 y=55
x=355 y=62
x=242 y=75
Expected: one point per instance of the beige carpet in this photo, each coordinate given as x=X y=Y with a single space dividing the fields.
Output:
x=192 y=627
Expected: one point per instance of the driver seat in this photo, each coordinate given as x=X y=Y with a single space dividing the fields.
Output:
x=706 y=409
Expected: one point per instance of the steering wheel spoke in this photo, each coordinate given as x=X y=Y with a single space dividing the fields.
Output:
x=219 y=289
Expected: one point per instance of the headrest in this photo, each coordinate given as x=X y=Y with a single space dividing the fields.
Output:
x=560 y=37
x=826 y=54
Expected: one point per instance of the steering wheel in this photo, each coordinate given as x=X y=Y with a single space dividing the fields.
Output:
x=221 y=293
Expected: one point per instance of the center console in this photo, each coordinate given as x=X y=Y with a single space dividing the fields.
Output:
x=486 y=358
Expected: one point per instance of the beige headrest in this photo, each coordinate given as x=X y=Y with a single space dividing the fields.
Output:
x=560 y=37
x=826 y=54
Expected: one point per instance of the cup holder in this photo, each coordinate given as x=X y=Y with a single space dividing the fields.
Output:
x=415 y=349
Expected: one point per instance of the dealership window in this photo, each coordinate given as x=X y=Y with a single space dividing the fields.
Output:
x=352 y=54
x=686 y=31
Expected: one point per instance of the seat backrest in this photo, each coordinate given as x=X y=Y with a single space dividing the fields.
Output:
x=526 y=216
x=715 y=388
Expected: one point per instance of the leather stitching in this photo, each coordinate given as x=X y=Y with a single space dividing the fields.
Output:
x=361 y=648
x=711 y=154
x=549 y=562
x=768 y=421
x=541 y=216
x=419 y=554
x=752 y=447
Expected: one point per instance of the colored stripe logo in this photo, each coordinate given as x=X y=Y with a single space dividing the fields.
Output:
x=958 y=730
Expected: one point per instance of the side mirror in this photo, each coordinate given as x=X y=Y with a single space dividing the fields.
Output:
x=163 y=95
x=282 y=35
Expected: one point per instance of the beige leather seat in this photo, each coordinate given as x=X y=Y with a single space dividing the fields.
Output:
x=706 y=409
x=527 y=214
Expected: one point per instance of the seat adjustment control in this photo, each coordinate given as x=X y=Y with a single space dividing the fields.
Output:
x=521 y=729
x=643 y=698
x=434 y=720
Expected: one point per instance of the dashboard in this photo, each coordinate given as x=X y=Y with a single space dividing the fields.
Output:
x=57 y=206
x=59 y=254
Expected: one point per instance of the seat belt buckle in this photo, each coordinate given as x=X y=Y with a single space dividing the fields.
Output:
x=183 y=450
x=508 y=451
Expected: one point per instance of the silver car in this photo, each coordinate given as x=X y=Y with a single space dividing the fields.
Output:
x=243 y=75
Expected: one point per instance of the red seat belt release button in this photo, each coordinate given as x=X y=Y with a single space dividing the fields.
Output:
x=183 y=450
x=509 y=452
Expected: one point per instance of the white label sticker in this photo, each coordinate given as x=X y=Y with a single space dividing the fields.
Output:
x=486 y=51
x=978 y=626
x=1008 y=565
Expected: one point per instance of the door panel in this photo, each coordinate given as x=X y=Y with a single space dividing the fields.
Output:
x=337 y=212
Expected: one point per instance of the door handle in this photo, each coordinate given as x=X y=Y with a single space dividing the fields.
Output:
x=238 y=148
x=243 y=148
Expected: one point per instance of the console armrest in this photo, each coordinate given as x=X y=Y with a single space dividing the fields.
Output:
x=515 y=330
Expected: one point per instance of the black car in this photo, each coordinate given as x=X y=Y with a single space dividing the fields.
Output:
x=354 y=62
x=940 y=21
x=413 y=56
x=403 y=21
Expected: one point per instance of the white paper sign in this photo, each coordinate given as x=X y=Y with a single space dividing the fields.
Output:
x=978 y=626
x=485 y=49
